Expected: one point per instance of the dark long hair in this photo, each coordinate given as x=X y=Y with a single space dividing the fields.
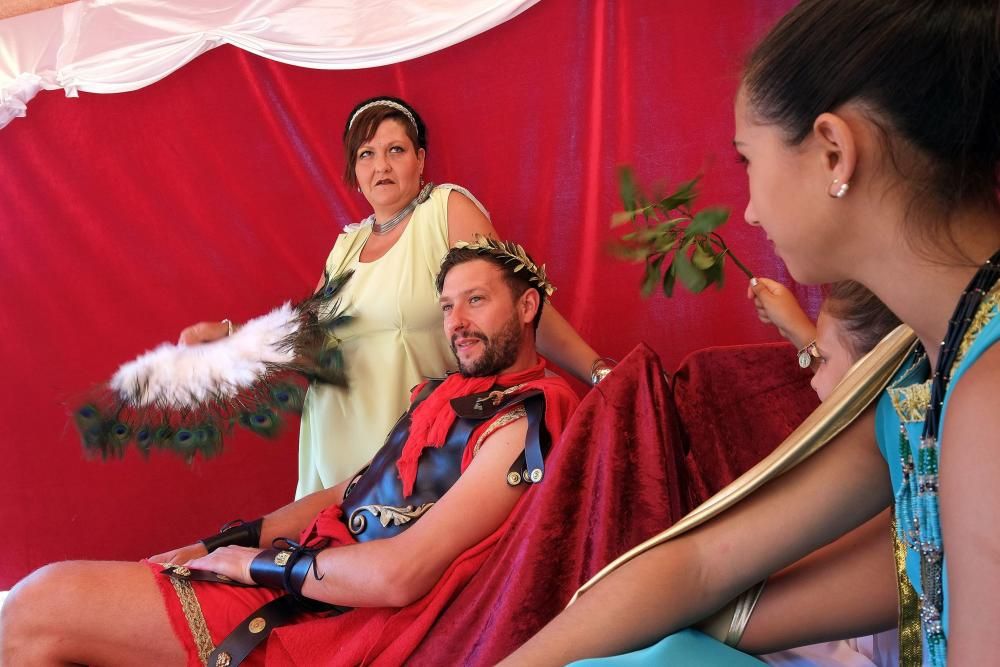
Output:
x=926 y=72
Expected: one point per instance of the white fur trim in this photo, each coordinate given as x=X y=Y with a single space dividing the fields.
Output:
x=180 y=376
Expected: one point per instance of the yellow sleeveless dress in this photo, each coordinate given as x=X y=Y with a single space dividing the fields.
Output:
x=394 y=342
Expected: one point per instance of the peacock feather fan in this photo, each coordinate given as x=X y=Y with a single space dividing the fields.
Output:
x=187 y=398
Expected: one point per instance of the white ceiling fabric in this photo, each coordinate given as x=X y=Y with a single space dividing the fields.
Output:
x=112 y=46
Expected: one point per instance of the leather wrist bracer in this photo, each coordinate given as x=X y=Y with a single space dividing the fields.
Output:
x=286 y=568
x=239 y=533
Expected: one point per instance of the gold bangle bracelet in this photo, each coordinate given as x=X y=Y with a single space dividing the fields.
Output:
x=600 y=369
x=729 y=623
x=745 y=605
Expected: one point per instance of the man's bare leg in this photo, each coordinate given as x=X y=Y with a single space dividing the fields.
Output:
x=89 y=612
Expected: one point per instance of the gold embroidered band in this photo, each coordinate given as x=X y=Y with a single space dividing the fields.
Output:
x=195 y=618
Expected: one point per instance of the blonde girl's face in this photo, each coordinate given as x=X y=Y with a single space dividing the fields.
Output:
x=836 y=357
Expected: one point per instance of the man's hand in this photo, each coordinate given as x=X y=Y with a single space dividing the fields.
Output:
x=234 y=562
x=180 y=556
x=203 y=332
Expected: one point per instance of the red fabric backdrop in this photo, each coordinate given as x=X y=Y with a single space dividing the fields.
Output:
x=216 y=193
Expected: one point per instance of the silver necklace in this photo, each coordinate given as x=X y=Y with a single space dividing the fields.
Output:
x=390 y=224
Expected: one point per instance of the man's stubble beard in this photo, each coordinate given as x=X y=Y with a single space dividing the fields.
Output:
x=499 y=352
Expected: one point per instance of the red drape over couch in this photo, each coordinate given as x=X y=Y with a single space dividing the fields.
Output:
x=216 y=193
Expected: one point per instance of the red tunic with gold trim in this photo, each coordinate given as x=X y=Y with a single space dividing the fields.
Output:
x=432 y=444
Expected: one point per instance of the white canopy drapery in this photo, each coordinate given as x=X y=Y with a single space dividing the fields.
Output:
x=113 y=46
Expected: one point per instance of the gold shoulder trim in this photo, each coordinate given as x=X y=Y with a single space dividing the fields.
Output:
x=195 y=618
x=863 y=383
x=987 y=310
x=505 y=418
x=911 y=401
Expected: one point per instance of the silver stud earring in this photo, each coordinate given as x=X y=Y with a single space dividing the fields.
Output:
x=841 y=191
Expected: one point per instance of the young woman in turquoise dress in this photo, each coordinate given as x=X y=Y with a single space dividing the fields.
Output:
x=871 y=136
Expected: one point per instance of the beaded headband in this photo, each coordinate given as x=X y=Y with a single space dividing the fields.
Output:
x=385 y=103
x=511 y=252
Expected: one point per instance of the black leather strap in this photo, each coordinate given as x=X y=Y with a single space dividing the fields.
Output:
x=286 y=567
x=239 y=533
x=529 y=467
x=268 y=567
x=256 y=627
x=298 y=568
x=181 y=572
x=487 y=404
x=533 y=458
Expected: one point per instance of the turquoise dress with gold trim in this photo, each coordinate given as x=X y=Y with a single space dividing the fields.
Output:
x=899 y=418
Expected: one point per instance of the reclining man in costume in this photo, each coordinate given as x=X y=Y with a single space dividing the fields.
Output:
x=448 y=476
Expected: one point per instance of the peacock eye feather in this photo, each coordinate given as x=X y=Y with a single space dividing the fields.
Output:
x=87 y=413
x=144 y=438
x=263 y=421
x=120 y=432
x=288 y=397
x=193 y=416
x=184 y=438
x=209 y=440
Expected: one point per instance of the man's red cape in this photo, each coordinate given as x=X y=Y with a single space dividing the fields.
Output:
x=627 y=466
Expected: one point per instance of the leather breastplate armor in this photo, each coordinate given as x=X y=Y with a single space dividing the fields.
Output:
x=374 y=507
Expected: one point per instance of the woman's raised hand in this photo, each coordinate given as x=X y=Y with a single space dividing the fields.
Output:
x=204 y=332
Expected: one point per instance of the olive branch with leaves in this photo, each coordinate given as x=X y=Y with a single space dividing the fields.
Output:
x=673 y=241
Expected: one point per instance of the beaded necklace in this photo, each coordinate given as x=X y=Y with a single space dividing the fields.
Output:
x=917 y=499
x=390 y=224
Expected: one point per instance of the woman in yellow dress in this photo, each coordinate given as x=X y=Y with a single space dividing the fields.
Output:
x=394 y=339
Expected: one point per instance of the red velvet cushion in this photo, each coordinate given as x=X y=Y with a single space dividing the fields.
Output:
x=736 y=404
